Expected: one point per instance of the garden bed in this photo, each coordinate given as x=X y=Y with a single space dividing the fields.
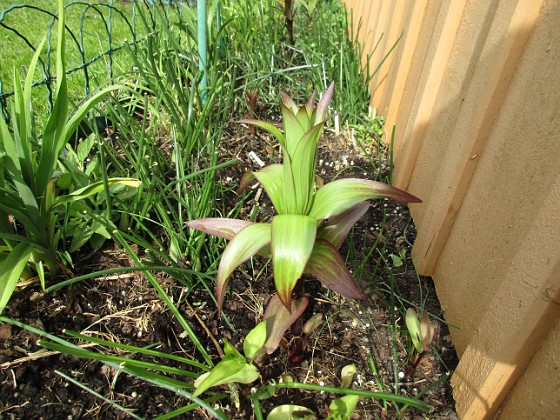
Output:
x=124 y=308
x=125 y=271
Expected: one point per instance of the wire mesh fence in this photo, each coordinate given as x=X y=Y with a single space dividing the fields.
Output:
x=98 y=32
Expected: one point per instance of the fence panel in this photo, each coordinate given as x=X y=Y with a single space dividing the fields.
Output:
x=474 y=93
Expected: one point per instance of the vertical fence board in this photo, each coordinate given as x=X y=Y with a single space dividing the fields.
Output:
x=475 y=95
x=434 y=71
x=386 y=75
x=401 y=67
x=418 y=40
x=499 y=273
x=529 y=396
x=380 y=37
x=477 y=77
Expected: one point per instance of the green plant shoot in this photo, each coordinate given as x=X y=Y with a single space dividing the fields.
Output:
x=311 y=222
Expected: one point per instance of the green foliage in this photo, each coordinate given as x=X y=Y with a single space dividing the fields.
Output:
x=398 y=260
x=234 y=367
x=93 y=53
x=421 y=330
x=28 y=177
x=311 y=222
x=370 y=130
x=339 y=409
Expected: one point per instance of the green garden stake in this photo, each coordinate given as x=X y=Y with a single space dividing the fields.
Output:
x=202 y=47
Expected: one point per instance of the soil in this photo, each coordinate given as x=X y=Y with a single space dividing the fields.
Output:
x=126 y=309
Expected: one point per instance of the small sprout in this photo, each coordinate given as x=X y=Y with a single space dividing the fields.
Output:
x=312 y=324
x=421 y=333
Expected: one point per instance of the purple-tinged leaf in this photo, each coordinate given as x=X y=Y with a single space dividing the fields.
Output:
x=338 y=196
x=428 y=330
x=310 y=105
x=293 y=236
x=336 y=228
x=243 y=246
x=323 y=105
x=219 y=226
x=327 y=266
x=279 y=319
x=289 y=102
x=246 y=179
x=271 y=178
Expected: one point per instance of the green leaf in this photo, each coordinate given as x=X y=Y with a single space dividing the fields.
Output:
x=293 y=129
x=220 y=226
x=327 y=266
x=269 y=127
x=227 y=371
x=291 y=412
x=11 y=269
x=312 y=324
x=337 y=228
x=255 y=340
x=347 y=375
x=231 y=352
x=293 y=237
x=84 y=148
x=343 y=407
x=279 y=319
x=271 y=178
x=303 y=169
x=414 y=327
x=340 y=195
x=57 y=134
x=27 y=122
x=94 y=188
x=244 y=245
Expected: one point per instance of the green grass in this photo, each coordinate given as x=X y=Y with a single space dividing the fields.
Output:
x=96 y=30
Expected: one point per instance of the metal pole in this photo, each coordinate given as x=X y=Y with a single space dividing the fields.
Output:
x=202 y=47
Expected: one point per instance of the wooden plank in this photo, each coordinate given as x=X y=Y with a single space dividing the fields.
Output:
x=418 y=40
x=416 y=128
x=488 y=97
x=535 y=391
x=387 y=72
x=382 y=25
x=498 y=276
x=485 y=374
x=368 y=37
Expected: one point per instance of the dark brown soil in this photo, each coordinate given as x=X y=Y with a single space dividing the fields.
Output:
x=126 y=309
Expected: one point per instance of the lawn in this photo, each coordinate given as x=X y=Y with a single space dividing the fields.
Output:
x=109 y=211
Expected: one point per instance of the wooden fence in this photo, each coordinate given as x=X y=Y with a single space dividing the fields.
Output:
x=474 y=90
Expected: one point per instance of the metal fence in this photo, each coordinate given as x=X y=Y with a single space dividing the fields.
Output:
x=473 y=89
x=158 y=13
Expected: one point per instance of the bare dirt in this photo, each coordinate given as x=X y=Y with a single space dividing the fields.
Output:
x=126 y=309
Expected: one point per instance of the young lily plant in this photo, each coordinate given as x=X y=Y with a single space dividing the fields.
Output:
x=311 y=222
x=421 y=333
